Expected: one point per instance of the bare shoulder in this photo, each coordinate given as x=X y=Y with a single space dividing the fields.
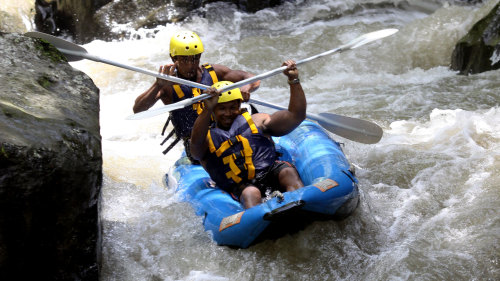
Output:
x=220 y=69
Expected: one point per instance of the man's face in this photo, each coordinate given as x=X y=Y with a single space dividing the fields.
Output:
x=226 y=112
x=187 y=66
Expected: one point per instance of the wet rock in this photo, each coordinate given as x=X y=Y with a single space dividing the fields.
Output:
x=50 y=165
x=73 y=18
x=85 y=21
x=479 y=50
x=252 y=6
x=17 y=16
x=143 y=14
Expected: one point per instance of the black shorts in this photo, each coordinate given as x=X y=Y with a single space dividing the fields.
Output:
x=264 y=180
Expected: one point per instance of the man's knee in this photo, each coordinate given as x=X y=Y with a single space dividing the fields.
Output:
x=289 y=179
x=250 y=196
x=251 y=191
x=288 y=174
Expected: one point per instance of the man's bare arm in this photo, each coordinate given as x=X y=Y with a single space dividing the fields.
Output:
x=157 y=91
x=284 y=121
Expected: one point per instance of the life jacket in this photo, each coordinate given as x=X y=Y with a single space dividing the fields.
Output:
x=183 y=119
x=236 y=156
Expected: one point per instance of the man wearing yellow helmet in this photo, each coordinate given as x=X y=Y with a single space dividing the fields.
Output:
x=185 y=51
x=238 y=151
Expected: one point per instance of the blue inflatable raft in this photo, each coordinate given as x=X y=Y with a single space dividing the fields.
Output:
x=330 y=191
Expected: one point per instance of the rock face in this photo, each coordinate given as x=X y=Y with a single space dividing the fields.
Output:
x=50 y=165
x=251 y=6
x=17 y=15
x=93 y=19
x=73 y=17
x=479 y=50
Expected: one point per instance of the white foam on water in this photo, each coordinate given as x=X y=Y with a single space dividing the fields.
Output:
x=429 y=188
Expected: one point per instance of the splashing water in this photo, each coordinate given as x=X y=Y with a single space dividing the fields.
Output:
x=430 y=189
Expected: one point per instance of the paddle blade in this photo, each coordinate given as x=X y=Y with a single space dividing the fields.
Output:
x=351 y=128
x=60 y=44
x=372 y=36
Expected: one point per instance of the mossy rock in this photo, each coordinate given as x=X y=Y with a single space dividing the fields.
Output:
x=479 y=50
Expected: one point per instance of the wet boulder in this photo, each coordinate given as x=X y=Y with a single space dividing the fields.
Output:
x=17 y=16
x=251 y=6
x=73 y=18
x=50 y=165
x=479 y=50
x=143 y=14
x=85 y=21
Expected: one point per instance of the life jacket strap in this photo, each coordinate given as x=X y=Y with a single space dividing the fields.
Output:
x=171 y=145
x=248 y=153
x=211 y=71
x=199 y=106
x=211 y=145
x=235 y=171
x=178 y=91
x=168 y=136
x=165 y=127
x=250 y=122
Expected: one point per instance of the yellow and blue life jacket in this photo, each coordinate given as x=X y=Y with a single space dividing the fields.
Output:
x=183 y=119
x=236 y=156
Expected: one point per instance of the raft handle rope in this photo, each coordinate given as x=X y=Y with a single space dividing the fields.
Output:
x=171 y=145
x=177 y=139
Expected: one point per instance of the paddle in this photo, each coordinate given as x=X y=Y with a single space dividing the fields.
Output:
x=74 y=52
x=360 y=41
x=351 y=128
x=347 y=127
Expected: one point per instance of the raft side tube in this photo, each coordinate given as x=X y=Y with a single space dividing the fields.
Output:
x=190 y=179
x=321 y=164
x=331 y=190
x=313 y=152
x=231 y=224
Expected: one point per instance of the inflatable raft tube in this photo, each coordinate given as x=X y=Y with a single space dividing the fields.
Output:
x=330 y=191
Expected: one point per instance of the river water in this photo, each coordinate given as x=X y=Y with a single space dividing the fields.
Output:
x=430 y=189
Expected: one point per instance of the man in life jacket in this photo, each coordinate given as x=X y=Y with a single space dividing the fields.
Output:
x=185 y=51
x=237 y=150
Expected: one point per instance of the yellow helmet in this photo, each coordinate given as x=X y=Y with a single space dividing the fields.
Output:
x=234 y=94
x=185 y=43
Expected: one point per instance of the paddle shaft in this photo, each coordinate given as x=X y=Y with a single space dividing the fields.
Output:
x=350 y=128
x=362 y=40
x=144 y=71
x=267 y=74
x=75 y=51
x=311 y=116
x=156 y=74
x=344 y=130
x=194 y=84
